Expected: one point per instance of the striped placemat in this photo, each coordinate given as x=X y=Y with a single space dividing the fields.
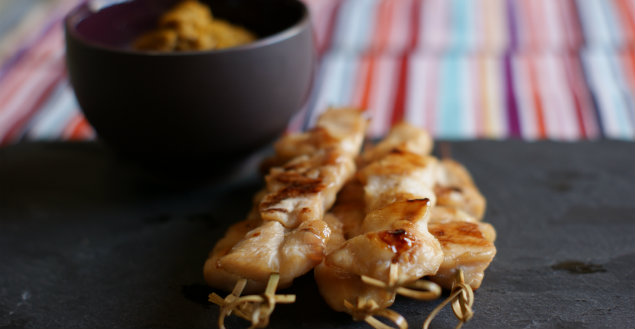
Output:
x=463 y=69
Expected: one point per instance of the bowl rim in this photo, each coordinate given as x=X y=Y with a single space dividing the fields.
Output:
x=83 y=10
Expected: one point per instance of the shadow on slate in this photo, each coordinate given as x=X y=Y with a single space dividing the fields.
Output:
x=87 y=240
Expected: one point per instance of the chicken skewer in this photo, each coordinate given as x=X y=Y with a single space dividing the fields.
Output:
x=467 y=244
x=380 y=243
x=365 y=297
x=285 y=234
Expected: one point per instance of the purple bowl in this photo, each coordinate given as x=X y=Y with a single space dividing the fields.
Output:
x=206 y=106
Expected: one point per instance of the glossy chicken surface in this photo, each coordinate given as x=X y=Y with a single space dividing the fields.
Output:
x=398 y=176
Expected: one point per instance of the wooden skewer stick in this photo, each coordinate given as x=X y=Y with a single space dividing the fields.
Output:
x=420 y=289
x=462 y=298
x=254 y=308
x=368 y=310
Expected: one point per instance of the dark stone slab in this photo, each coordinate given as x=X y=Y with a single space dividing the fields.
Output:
x=87 y=241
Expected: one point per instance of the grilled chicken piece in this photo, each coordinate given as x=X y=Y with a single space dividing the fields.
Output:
x=398 y=176
x=302 y=249
x=467 y=246
x=289 y=252
x=291 y=236
x=404 y=137
x=257 y=253
x=397 y=193
x=396 y=234
x=338 y=286
x=218 y=277
x=270 y=248
x=335 y=285
x=305 y=187
x=455 y=188
x=332 y=129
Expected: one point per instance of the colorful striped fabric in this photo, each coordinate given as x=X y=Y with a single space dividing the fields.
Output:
x=463 y=69
x=36 y=101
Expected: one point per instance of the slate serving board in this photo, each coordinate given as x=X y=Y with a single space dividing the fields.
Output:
x=86 y=241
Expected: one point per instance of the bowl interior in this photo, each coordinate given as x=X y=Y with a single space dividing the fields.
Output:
x=118 y=25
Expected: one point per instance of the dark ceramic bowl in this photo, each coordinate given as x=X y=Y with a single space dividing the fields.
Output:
x=213 y=106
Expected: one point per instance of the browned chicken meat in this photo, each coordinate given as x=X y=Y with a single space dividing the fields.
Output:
x=286 y=233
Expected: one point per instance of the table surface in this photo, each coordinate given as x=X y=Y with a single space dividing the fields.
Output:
x=86 y=241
